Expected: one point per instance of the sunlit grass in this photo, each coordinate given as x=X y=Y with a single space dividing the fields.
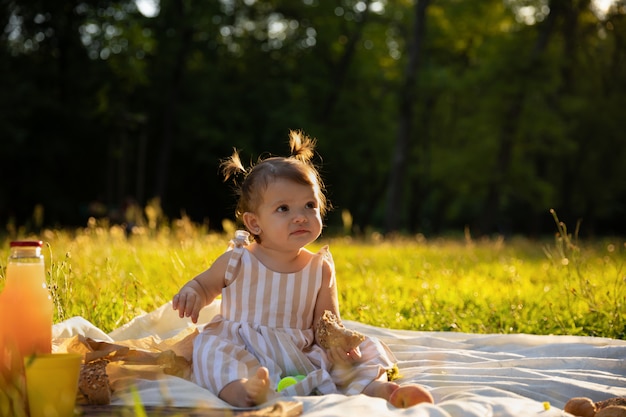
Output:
x=486 y=287
x=558 y=286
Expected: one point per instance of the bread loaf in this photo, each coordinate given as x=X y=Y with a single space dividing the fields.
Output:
x=93 y=382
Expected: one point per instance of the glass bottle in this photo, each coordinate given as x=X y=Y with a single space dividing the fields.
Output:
x=25 y=322
x=25 y=304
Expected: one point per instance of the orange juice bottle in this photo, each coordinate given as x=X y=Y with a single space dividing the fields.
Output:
x=25 y=306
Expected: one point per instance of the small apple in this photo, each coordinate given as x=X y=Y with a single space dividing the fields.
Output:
x=409 y=395
x=580 y=406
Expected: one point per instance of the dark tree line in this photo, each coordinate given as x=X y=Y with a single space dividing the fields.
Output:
x=431 y=115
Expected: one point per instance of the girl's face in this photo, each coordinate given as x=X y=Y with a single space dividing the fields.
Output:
x=288 y=217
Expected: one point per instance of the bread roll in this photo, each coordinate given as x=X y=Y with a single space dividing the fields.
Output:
x=93 y=382
x=330 y=333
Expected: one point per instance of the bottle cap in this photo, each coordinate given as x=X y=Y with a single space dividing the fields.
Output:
x=27 y=243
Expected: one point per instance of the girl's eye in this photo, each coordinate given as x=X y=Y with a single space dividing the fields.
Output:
x=311 y=205
x=282 y=209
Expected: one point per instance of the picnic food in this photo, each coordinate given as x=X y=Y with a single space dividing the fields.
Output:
x=409 y=395
x=585 y=407
x=331 y=333
x=288 y=381
x=93 y=382
x=25 y=296
x=612 y=411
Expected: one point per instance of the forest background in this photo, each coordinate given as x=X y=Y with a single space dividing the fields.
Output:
x=431 y=116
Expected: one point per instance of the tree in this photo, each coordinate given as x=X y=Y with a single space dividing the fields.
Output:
x=397 y=168
x=487 y=116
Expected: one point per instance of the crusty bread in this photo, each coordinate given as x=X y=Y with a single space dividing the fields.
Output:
x=619 y=401
x=585 y=407
x=93 y=382
x=330 y=333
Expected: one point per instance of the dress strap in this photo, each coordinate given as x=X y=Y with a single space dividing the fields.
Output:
x=236 y=246
x=240 y=239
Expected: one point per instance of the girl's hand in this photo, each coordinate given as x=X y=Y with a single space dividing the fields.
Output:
x=188 y=302
x=340 y=357
x=202 y=289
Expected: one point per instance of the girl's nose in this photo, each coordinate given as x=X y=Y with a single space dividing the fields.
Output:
x=299 y=218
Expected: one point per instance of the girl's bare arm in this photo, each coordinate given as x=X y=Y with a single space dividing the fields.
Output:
x=201 y=290
x=328 y=299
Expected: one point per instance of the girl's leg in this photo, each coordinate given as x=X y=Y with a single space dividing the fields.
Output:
x=248 y=392
x=381 y=389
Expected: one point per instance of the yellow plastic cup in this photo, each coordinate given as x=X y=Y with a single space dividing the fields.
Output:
x=52 y=383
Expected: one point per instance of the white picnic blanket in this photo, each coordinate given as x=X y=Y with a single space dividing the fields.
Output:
x=495 y=375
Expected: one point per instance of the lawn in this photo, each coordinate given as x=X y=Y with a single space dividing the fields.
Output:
x=555 y=286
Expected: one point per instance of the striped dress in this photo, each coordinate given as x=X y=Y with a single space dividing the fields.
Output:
x=266 y=319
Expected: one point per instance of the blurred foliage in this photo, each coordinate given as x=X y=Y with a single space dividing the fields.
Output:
x=518 y=108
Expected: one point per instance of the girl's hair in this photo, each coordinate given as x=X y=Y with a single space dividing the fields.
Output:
x=297 y=167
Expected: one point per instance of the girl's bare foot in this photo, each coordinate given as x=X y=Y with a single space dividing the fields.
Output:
x=248 y=392
x=258 y=386
x=381 y=389
x=399 y=396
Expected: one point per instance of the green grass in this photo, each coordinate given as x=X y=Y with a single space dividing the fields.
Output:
x=558 y=286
